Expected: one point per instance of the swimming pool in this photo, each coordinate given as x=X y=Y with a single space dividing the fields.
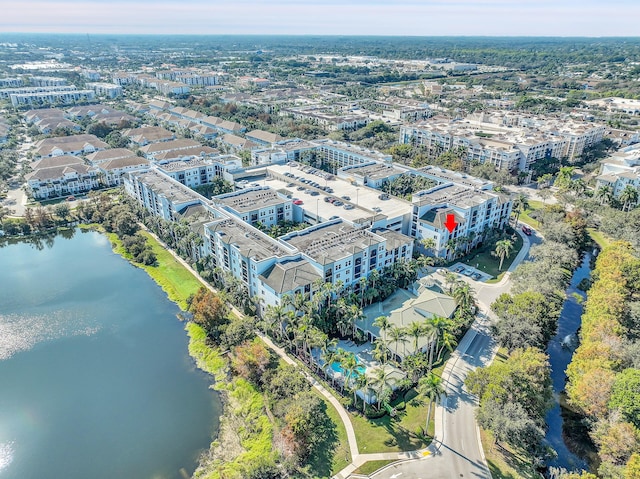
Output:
x=338 y=368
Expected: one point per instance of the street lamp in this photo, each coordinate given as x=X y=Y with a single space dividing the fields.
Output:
x=317 y=215
x=357 y=196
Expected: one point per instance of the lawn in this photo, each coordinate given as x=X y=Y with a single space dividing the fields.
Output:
x=333 y=454
x=402 y=433
x=533 y=206
x=599 y=237
x=372 y=466
x=483 y=260
x=504 y=462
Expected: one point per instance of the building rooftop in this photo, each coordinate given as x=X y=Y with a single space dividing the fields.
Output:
x=289 y=275
x=250 y=199
x=251 y=242
x=329 y=242
x=179 y=144
x=170 y=189
x=376 y=171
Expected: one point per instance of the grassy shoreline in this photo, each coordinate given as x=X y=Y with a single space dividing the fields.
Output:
x=243 y=404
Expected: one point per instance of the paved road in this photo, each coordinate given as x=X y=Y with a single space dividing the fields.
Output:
x=456 y=450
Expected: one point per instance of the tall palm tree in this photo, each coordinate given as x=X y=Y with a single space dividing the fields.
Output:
x=362 y=383
x=447 y=341
x=503 y=250
x=415 y=331
x=432 y=387
x=605 y=194
x=399 y=336
x=463 y=295
x=520 y=203
x=381 y=385
x=383 y=324
x=628 y=197
x=350 y=367
x=428 y=243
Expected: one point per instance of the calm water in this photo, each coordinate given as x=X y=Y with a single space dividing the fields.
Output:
x=560 y=351
x=95 y=378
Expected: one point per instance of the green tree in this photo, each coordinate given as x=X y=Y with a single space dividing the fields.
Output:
x=432 y=387
x=628 y=197
x=503 y=250
x=625 y=395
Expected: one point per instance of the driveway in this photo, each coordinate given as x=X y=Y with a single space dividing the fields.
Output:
x=456 y=451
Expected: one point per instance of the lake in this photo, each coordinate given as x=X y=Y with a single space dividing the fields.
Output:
x=95 y=378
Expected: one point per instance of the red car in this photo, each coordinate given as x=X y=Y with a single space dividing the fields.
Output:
x=297 y=202
x=526 y=230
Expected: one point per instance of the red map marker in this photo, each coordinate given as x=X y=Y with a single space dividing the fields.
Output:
x=451 y=223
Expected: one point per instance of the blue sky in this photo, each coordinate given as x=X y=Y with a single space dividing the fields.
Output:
x=332 y=17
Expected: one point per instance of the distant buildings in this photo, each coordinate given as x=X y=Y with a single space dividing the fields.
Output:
x=506 y=140
x=61 y=175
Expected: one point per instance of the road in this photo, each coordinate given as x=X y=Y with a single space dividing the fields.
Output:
x=456 y=450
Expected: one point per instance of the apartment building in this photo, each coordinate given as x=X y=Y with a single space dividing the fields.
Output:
x=52 y=97
x=506 y=140
x=11 y=82
x=61 y=176
x=152 y=149
x=475 y=211
x=197 y=170
x=620 y=170
x=148 y=134
x=285 y=150
x=69 y=145
x=108 y=90
x=47 y=81
x=257 y=205
x=6 y=93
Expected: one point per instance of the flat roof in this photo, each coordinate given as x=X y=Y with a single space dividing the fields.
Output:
x=363 y=198
x=455 y=195
x=376 y=171
x=251 y=242
x=163 y=185
x=329 y=242
x=250 y=199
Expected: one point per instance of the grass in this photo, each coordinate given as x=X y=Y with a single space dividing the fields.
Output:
x=599 y=237
x=370 y=467
x=533 y=206
x=483 y=260
x=337 y=450
x=504 y=462
x=401 y=433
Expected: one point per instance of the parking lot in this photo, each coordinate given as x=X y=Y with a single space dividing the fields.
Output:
x=469 y=271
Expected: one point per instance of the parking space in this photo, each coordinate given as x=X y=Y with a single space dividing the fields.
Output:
x=469 y=271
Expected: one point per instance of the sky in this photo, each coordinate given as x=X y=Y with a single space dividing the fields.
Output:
x=591 y=18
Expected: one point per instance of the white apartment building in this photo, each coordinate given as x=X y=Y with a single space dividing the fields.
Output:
x=61 y=176
x=621 y=170
x=52 y=98
x=196 y=171
x=108 y=90
x=256 y=205
x=475 y=211
x=5 y=93
x=508 y=141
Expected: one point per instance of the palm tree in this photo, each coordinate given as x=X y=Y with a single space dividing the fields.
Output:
x=520 y=203
x=578 y=186
x=416 y=330
x=447 y=341
x=381 y=385
x=463 y=295
x=431 y=386
x=398 y=336
x=628 y=197
x=563 y=179
x=503 y=250
x=428 y=243
x=383 y=324
x=362 y=383
x=605 y=194
x=350 y=367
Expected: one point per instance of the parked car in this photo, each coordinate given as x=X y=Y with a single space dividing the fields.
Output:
x=526 y=230
x=345 y=197
x=348 y=207
x=297 y=202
